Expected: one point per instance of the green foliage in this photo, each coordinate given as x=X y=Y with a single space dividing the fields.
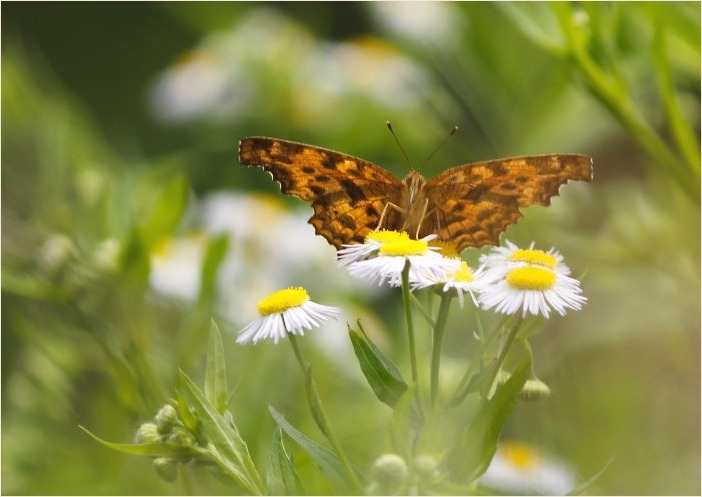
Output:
x=281 y=478
x=382 y=375
x=470 y=457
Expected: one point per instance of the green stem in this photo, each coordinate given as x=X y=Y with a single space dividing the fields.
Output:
x=410 y=334
x=437 y=339
x=615 y=97
x=320 y=416
x=485 y=340
x=501 y=357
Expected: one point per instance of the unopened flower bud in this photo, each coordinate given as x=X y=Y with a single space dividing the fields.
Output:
x=56 y=251
x=426 y=467
x=534 y=389
x=166 y=468
x=166 y=418
x=180 y=436
x=390 y=473
x=147 y=433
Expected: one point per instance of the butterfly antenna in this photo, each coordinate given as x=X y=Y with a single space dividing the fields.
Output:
x=453 y=131
x=402 y=149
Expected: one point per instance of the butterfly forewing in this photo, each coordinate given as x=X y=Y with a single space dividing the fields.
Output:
x=348 y=194
x=471 y=205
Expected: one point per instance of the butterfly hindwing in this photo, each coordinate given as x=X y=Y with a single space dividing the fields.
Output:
x=470 y=205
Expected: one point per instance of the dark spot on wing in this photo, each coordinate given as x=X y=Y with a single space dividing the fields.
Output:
x=317 y=190
x=347 y=221
x=353 y=191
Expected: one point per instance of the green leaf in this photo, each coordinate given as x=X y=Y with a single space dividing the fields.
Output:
x=315 y=402
x=471 y=456
x=282 y=479
x=166 y=214
x=382 y=375
x=185 y=414
x=585 y=486
x=228 y=449
x=216 y=250
x=161 y=449
x=328 y=463
x=215 y=373
x=474 y=384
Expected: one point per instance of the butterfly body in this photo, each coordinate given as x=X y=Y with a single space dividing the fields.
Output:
x=468 y=205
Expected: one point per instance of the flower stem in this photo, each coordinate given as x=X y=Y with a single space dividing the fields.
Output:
x=320 y=416
x=410 y=334
x=437 y=339
x=501 y=357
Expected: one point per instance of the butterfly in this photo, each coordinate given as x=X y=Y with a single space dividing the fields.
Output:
x=467 y=206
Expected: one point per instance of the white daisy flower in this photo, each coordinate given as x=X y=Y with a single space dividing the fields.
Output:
x=463 y=279
x=374 y=240
x=392 y=256
x=518 y=469
x=286 y=311
x=531 y=280
x=512 y=256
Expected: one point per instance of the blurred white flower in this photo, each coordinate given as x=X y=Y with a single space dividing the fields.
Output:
x=222 y=77
x=176 y=265
x=368 y=67
x=439 y=23
x=247 y=68
x=517 y=469
x=56 y=251
x=199 y=83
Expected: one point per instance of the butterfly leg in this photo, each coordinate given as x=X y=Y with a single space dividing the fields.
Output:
x=422 y=217
x=387 y=207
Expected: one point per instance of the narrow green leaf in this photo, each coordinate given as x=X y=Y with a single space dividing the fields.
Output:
x=216 y=250
x=161 y=449
x=328 y=463
x=282 y=478
x=475 y=383
x=585 y=486
x=471 y=456
x=382 y=375
x=215 y=373
x=682 y=130
x=228 y=448
x=185 y=414
x=165 y=216
x=314 y=402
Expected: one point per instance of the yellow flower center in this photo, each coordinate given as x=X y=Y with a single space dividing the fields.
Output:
x=464 y=274
x=519 y=455
x=531 y=256
x=403 y=246
x=385 y=236
x=531 y=278
x=447 y=249
x=282 y=300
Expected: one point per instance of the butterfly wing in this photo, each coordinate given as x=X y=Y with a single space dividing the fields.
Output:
x=471 y=205
x=348 y=194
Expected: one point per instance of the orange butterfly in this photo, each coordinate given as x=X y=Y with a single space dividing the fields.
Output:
x=468 y=205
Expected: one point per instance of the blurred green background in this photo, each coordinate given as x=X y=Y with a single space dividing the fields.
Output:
x=127 y=221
